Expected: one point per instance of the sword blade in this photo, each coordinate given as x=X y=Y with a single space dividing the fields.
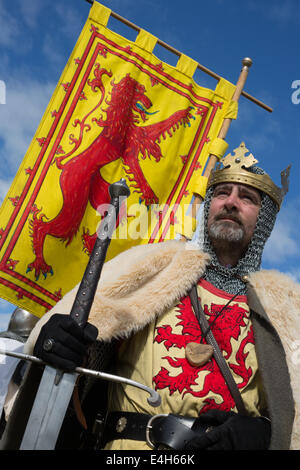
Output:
x=48 y=411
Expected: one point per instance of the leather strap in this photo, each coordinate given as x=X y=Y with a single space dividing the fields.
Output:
x=125 y=426
x=171 y=431
x=236 y=395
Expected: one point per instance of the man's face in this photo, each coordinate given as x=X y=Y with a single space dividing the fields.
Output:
x=233 y=213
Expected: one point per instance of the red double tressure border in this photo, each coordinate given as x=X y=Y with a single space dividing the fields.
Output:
x=191 y=96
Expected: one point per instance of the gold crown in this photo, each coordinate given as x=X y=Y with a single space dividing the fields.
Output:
x=234 y=171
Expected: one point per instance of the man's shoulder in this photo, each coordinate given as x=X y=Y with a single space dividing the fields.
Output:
x=275 y=283
x=279 y=295
x=274 y=275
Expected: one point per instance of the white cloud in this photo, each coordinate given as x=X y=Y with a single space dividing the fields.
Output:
x=51 y=51
x=72 y=23
x=12 y=33
x=4 y=187
x=6 y=309
x=8 y=27
x=294 y=274
x=281 y=244
x=26 y=101
x=257 y=138
x=4 y=320
x=284 y=242
x=30 y=11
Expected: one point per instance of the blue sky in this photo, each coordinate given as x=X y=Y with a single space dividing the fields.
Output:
x=37 y=37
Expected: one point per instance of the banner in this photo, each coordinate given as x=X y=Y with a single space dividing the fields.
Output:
x=117 y=112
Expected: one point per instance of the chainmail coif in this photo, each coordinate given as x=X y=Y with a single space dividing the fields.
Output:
x=229 y=278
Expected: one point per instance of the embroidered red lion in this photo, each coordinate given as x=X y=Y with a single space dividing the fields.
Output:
x=122 y=137
x=225 y=328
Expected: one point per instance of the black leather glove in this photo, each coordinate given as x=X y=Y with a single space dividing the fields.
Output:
x=231 y=431
x=63 y=344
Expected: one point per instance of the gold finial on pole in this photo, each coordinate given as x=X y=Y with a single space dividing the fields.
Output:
x=247 y=62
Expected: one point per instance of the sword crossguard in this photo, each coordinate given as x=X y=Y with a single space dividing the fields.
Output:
x=154 y=399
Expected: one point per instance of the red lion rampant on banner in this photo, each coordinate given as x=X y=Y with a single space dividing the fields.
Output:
x=120 y=138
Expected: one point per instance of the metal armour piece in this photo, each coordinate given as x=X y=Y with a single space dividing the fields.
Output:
x=230 y=279
x=20 y=325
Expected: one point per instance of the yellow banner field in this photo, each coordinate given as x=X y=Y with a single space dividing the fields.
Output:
x=117 y=112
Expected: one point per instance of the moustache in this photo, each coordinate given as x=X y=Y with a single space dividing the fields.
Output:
x=228 y=217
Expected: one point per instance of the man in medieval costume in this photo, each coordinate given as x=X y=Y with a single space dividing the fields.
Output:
x=205 y=327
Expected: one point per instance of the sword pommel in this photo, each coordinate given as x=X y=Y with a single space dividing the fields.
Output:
x=119 y=189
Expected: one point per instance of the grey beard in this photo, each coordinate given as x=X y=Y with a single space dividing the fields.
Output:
x=225 y=231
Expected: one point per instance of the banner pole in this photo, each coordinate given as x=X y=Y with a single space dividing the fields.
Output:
x=178 y=53
x=212 y=159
